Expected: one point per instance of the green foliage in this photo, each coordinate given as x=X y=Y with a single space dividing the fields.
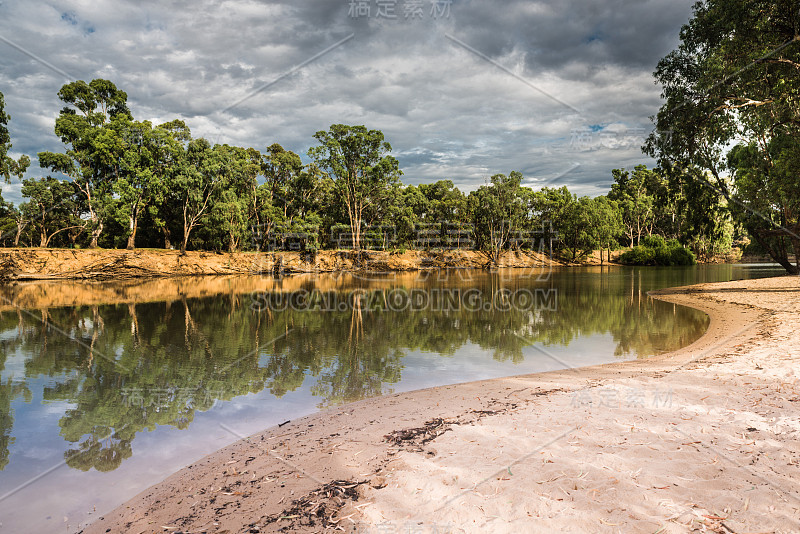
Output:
x=639 y=255
x=654 y=241
x=139 y=184
x=94 y=150
x=681 y=256
x=497 y=213
x=655 y=250
x=634 y=194
x=51 y=210
x=733 y=82
x=358 y=160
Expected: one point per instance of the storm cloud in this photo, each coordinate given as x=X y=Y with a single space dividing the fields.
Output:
x=561 y=90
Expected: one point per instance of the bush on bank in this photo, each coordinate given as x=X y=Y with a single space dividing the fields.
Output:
x=654 y=250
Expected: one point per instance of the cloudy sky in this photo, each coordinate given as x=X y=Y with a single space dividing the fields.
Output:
x=561 y=90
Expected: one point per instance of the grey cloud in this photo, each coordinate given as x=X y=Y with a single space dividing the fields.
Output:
x=448 y=113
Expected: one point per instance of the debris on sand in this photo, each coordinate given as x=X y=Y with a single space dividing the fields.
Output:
x=421 y=435
x=317 y=509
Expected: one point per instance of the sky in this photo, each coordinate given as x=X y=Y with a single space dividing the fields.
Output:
x=560 y=90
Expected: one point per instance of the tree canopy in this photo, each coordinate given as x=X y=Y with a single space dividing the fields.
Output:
x=731 y=116
x=125 y=182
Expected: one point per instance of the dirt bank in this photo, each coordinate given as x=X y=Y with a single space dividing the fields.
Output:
x=702 y=439
x=44 y=264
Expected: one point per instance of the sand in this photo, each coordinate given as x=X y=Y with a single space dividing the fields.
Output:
x=704 y=439
x=106 y=264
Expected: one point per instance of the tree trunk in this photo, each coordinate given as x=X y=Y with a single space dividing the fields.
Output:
x=20 y=228
x=796 y=247
x=355 y=227
x=780 y=257
x=133 y=223
x=187 y=229
x=96 y=232
x=167 y=243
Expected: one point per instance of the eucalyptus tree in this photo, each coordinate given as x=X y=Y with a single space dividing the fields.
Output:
x=634 y=194
x=498 y=212
x=605 y=219
x=281 y=167
x=358 y=161
x=444 y=205
x=93 y=145
x=580 y=224
x=50 y=208
x=550 y=207
x=150 y=154
x=233 y=204
x=444 y=201
x=307 y=191
x=733 y=81
x=199 y=174
x=7 y=221
x=293 y=196
x=694 y=213
x=164 y=211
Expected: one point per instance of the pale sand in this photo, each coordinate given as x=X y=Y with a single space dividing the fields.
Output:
x=702 y=439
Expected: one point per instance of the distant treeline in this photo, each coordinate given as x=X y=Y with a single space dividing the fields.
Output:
x=121 y=182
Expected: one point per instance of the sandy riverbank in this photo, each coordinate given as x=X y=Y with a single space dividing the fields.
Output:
x=703 y=439
x=101 y=264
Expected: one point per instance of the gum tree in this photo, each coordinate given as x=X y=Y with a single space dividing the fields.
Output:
x=195 y=183
x=50 y=208
x=733 y=81
x=358 y=160
x=606 y=222
x=94 y=147
x=231 y=210
x=148 y=157
x=633 y=194
x=281 y=168
x=164 y=210
x=498 y=213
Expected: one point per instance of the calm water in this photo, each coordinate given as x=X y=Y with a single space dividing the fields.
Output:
x=99 y=402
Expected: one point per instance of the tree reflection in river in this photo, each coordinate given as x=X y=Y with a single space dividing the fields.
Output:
x=125 y=368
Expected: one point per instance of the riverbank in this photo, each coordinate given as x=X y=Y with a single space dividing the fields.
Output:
x=702 y=438
x=33 y=264
x=101 y=264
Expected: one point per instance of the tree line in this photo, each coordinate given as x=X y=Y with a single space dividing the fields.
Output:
x=726 y=141
x=122 y=182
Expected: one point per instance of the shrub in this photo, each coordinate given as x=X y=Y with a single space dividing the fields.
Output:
x=682 y=256
x=638 y=256
x=657 y=251
x=653 y=241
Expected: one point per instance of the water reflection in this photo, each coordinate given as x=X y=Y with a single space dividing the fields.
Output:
x=143 y=362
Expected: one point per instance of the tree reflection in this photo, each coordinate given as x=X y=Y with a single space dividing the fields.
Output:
x=128 y=368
